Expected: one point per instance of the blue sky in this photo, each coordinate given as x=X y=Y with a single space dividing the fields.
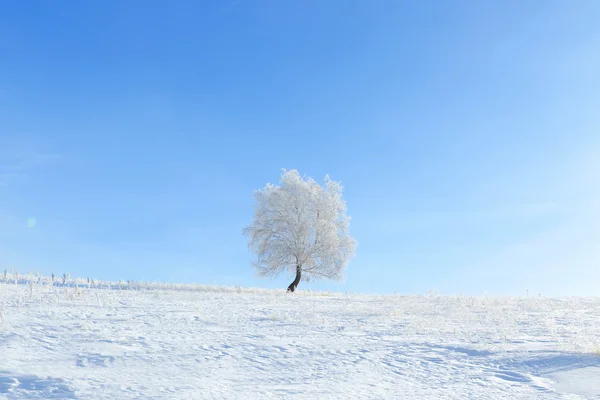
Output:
x=466 y=135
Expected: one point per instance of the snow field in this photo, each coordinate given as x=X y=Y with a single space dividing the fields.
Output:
x=92 y=343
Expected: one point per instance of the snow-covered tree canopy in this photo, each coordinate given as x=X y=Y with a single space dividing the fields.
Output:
x=301 y=227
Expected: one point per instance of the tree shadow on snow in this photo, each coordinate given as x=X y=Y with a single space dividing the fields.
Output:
x=15 y=386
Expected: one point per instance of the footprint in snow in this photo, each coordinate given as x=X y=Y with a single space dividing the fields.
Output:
x=94 y=360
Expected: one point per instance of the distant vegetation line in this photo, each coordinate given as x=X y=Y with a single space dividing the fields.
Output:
x=66 y=281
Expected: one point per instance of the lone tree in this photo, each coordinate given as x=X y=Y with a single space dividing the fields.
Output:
x=301 y=227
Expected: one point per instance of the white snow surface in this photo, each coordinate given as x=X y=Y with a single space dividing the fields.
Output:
x=74 y=343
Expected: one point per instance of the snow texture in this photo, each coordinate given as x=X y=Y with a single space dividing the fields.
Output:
x=91 y=343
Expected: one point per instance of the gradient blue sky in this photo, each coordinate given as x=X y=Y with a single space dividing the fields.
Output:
x=466 y=135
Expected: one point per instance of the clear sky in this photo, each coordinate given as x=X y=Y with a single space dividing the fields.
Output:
x=466 y=135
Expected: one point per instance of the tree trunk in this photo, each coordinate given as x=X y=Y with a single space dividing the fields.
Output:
x=294 y=284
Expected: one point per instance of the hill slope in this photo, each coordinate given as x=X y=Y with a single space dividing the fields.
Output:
x=72 y=343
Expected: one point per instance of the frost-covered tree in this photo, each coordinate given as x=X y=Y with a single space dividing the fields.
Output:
x=301 y=227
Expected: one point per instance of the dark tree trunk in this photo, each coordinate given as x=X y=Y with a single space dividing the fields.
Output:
x=294 y=284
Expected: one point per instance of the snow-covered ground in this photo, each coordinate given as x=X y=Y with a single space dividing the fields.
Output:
x=92 y=343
